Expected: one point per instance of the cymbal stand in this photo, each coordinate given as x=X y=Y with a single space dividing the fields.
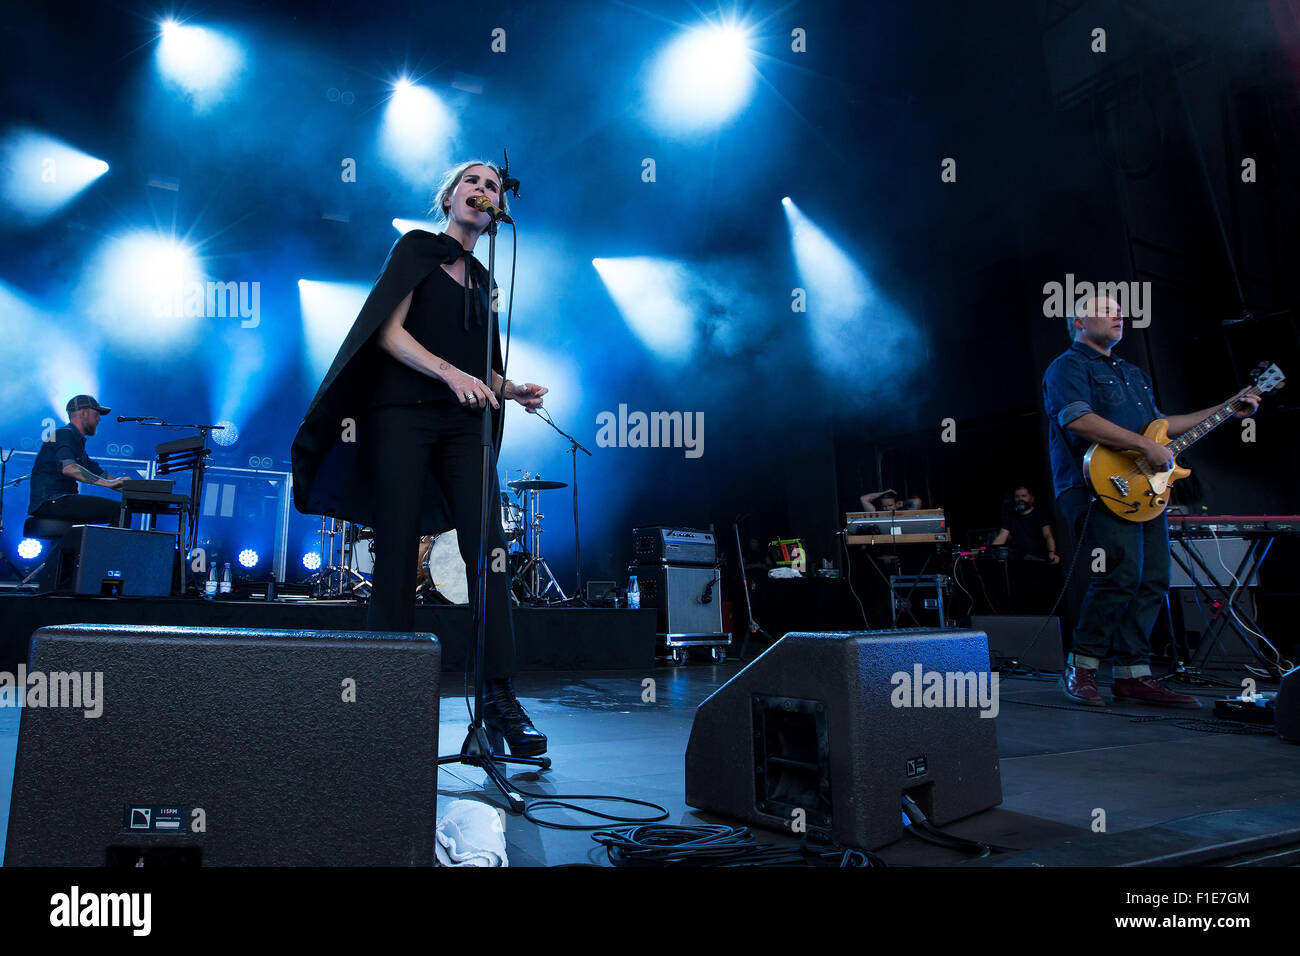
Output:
x=531 y=574
x=335 y=581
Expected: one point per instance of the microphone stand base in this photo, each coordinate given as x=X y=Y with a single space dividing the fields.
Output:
x=476 y=751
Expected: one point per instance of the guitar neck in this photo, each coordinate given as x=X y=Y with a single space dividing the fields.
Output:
x=1205 y=426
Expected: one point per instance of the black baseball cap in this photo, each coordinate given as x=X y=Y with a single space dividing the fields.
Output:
x=78 y=402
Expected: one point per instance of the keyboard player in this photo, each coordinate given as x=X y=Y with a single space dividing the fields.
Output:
x=62 y=463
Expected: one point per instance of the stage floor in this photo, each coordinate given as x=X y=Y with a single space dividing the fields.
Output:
x=546 y=638
x=1165 y=783
x=1144 y=766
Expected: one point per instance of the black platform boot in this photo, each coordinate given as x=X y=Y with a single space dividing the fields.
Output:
x=504 y=717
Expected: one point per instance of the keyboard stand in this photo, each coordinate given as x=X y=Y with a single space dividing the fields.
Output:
x=1230 y=613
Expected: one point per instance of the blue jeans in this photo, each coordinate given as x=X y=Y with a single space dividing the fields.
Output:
x=1126 y=589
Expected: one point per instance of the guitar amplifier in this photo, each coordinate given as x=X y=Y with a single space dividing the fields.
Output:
x=660 y=545
x=1229 y=551
x=688 y=599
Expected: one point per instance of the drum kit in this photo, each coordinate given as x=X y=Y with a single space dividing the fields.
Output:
x=348 y=558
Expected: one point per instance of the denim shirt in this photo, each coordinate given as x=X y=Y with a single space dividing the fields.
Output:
x=1083 y=380
x=48 y=481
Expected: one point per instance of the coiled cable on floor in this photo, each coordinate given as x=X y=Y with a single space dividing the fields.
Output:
x=538 y=801
x=666 y=845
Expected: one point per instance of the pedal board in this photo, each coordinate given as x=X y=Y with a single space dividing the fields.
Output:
x=1254 y=710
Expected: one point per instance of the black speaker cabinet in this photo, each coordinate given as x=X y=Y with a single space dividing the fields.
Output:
x=840 y=726
x=91 y=559
x=228 y=746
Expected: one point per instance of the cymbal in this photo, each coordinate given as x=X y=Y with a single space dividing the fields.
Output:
x=535 y=484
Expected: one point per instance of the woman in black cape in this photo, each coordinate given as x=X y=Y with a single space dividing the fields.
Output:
x=392 y=439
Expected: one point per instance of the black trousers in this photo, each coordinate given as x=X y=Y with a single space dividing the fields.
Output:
x=81 y=509
x=406 y=443
x=1127 y=564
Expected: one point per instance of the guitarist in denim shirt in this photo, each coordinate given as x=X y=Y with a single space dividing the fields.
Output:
x=1092 y=396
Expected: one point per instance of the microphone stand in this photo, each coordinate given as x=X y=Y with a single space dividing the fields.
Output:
x=4 y=466
x=186 y=548
x=752 y=627
x=574 y=447
x=476 y=751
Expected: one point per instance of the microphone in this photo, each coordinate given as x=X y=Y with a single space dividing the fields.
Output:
x=123 y=418
x=508 y=183
x=483 y=204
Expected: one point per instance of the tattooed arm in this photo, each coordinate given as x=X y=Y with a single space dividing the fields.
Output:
x=402 y=345
x=86 y=477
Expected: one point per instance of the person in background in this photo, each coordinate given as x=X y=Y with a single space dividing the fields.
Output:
x=888 y=500
x=1026 y=530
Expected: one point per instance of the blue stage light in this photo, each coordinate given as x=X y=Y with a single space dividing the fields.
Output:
x=227 y=436
x=39 y=358
x=854 y=329
x=550 y=366
x=248 y=558
x=328 y=311
x=417 y=132
x=652 y=296
x=701 y=79
x=311 y=560
x=40 y=174
x=200 y=62
x=29 y=548
x=147 y=291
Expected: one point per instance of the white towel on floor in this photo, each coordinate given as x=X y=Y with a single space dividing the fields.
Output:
x=471 y=833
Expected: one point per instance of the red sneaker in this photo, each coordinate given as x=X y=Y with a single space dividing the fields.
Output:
x=1147 y=690
x=1080 y=685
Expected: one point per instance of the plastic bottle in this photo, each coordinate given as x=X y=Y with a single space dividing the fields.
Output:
x=633 y=593
x=226 y=584
x=210 y=588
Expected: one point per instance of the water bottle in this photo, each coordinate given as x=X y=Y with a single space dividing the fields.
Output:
x=210 y=588
x=225 y=579
x=633 y=593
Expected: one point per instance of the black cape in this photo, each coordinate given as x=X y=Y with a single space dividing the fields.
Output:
x=332 y=476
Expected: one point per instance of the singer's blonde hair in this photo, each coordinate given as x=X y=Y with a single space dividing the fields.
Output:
x=451 y=179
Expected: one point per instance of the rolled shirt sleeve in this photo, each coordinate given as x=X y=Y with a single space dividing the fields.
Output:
x=1067 y=392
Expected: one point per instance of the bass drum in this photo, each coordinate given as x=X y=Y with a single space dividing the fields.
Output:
x=442 y=568
x=363 y=554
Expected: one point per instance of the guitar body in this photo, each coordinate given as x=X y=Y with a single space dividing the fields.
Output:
x=1125 y=483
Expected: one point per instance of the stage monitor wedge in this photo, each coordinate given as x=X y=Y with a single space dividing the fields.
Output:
x=227 y=747
x=1032 y=640
x=833 y=728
